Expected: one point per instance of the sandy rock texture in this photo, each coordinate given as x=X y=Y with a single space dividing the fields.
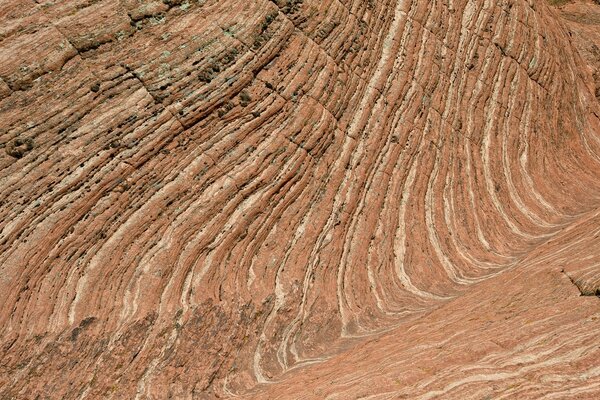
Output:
x=295 y=199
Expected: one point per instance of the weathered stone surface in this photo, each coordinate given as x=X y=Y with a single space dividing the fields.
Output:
x=299 y=199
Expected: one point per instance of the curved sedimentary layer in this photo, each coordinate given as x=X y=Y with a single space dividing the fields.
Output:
x=523 y=334
x=201 y=198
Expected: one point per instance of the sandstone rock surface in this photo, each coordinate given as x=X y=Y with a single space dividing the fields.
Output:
x=299 y=199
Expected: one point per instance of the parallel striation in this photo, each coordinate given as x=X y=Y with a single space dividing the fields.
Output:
x=200 y=197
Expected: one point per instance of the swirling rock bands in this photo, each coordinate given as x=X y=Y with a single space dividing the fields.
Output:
x=198 y=198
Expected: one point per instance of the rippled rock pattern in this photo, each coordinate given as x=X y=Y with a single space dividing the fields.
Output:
x=299 y=199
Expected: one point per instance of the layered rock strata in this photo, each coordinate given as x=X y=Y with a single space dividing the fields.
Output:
x=297 y=199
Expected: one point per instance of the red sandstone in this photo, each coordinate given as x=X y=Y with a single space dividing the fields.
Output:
x=299 y=199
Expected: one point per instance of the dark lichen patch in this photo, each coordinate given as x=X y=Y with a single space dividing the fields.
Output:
x=209 y=73
x=291 y=6
x=245 y=98
x=19 y=147
x=225 y=109
x=82 y=326
x=267 y=21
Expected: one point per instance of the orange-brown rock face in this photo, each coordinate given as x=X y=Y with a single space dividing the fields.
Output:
x=299 y=199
